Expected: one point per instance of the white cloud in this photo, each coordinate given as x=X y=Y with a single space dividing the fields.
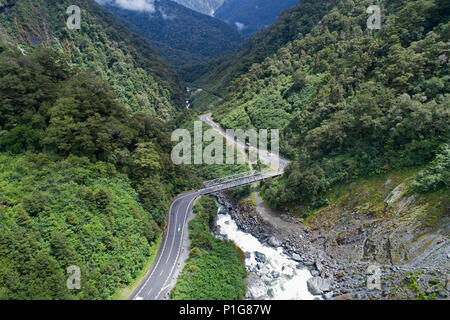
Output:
x=166 y=16
x=240 y=26
x=135 y=5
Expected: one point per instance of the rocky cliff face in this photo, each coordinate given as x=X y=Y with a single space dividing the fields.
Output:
x=204 y=6
x=388 y=225
x=372 y=225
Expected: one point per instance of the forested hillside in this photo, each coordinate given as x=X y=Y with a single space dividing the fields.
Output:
x=216 y=76
x=351 y=102
x=142 y=80
x=82 y=182
x=249 y=16
x=180 y=35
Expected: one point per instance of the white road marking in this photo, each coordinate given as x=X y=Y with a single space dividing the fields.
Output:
x=175 y=215
x=173 y=240
x=181 y=243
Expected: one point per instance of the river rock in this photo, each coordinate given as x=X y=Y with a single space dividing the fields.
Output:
x=296 y=257
x=260 y=257
x=328 y=295
x=274 y=242
x=256 y=289
x=319 y=265
x=318 y=285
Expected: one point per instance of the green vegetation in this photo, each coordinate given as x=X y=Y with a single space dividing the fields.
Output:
x=141 y=79
x=437 y=174
x=54 y=214
x=85 y=171
x=203 y=101
x=206 y=171
x=215 y=269
x=350 y=102
x=126 y=290
x=82 y=182
x=182 y=36
x=216 y=76
x=367 y=197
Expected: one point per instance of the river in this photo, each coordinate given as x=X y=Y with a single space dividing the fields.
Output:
x=278 y=277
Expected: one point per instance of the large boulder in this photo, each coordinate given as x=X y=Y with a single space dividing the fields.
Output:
x=260 y=257
x=296 y=257
x=256 y=289
x=274 y=242
x=318 y=285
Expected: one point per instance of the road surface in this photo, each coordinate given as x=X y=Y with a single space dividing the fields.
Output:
x=278 y=162
x=161 y=278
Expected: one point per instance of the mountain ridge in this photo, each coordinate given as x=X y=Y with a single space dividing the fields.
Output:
x=204 y=6
x=252 y=15
x=102 y=44
x=181 y=35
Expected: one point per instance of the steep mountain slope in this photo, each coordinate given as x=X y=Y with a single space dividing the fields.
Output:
x=352 y=102
x=216 y=76
x=82 y=182
x=364 y=116
x=143 y=81
x=250 y=16
x=181 y=35
x=204 y=6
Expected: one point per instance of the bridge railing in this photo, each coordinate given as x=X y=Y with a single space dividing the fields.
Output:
x=239 y=182
x=231 y=178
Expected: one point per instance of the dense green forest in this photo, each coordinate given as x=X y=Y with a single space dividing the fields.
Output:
x=208 y=171
x=216 y=76
x=82 y=182
x=351 y=102
x=182 y=36
x=86 y=176
x=215 y=269
x=143 y=81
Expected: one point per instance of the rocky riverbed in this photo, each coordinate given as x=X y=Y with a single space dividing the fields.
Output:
x=272 y=274
x=335 y=274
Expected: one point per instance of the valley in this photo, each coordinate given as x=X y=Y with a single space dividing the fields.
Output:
x=182 y=36
x=358 y=207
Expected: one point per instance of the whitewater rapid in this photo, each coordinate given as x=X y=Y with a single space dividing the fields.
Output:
x=282 y=277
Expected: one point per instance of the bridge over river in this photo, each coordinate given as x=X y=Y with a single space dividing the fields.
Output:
x=236 y=181
x=174 y=250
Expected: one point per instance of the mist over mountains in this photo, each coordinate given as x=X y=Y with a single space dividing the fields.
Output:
x=182 y=36
x=208 y=7
x=137 y=5
x=250 y=16
x=246 y=16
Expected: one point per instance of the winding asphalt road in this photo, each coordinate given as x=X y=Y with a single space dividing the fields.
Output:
x=161 y=278
x=266 y=156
